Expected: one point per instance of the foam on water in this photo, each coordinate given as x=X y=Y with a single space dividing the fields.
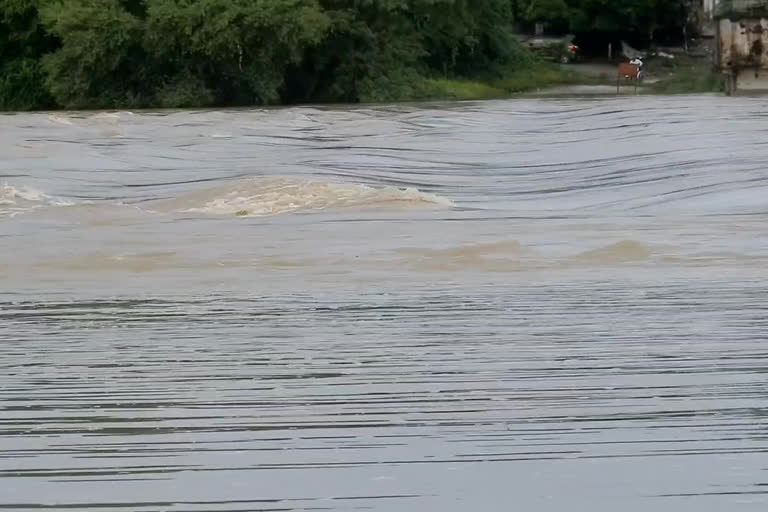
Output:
x=280 y=195
x=59 y=120
x=14 y=201
x=511 y=256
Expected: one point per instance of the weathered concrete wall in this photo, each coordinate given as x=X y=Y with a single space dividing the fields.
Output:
x=747 y=80
x=743 y=43
x=724 y=44
x=742 y=52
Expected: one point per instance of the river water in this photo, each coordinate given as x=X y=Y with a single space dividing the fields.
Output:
x=534 y=305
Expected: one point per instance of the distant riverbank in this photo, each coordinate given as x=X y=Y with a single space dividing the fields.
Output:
x=682 y=75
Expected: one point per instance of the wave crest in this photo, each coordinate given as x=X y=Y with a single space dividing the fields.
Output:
x=14 y=201
x=255 y=197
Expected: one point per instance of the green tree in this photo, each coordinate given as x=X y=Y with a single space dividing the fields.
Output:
x=370 y=51
x=472 y=37
x=547 y=11
x=101 y=61
x=23 y=41
x=603 y=15
x=176 y=52
x=379 y=50
x=631 y=17
x=236 y=51
x=652 y=15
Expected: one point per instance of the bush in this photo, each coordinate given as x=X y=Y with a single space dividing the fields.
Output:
x=184 y=91
x=100 y=63
x=22 y=86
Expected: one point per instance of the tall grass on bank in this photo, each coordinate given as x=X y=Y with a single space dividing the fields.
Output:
x=534 y=77
x=685 y=75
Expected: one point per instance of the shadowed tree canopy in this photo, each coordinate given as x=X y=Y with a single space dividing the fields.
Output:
x=554 y=12
x=632 y=18
x=23 y=41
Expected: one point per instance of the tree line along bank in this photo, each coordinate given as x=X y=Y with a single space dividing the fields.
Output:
x=192 y=53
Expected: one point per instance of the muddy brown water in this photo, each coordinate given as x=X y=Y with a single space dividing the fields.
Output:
x=538 y=305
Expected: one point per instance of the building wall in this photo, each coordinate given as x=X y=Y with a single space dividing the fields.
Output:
x=751 y=80
x=742 y=53
x=743 y=43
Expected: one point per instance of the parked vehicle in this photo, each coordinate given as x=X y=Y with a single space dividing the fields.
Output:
x=558 y=49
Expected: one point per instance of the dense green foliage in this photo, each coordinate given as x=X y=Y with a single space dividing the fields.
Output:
x=178 y=53
x=23 y=41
